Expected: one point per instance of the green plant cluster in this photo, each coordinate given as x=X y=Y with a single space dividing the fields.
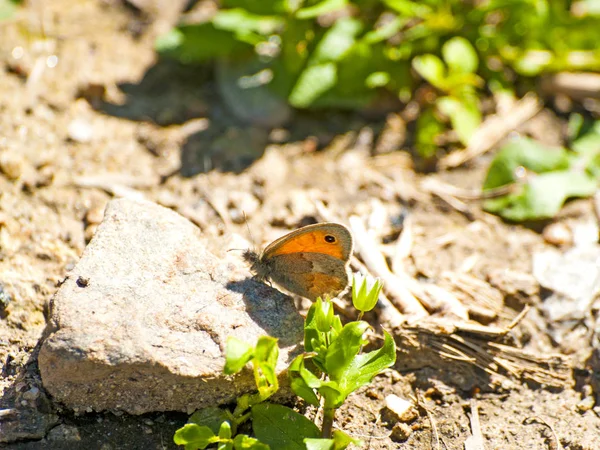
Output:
x=543 y=178
x=332 y=367
x=343 y=53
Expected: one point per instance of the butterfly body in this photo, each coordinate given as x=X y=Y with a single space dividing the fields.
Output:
x=311 y=261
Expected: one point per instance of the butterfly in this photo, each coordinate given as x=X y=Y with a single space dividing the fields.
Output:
x=311 y=261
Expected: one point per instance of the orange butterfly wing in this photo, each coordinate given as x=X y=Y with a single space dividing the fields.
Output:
x=314 y=239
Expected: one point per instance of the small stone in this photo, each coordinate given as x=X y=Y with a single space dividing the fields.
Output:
x=80 y=130
x=396 y=377
x=83 y=281
x=586 y=404
x=399 y=410
x=64 y=433
x=95 y=214
x=400 y=432
x=32 y=394
x=12 y=165
x=559 y=234
x=374 y=393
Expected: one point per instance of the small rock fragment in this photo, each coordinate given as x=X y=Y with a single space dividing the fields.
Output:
x=80 y=130
x=64 y=433
x=559 y=234
x=400 y=432
x=399 y=410
x=12 y=165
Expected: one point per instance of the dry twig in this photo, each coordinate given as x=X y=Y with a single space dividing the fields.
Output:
x=475 y=441
x=374 y=260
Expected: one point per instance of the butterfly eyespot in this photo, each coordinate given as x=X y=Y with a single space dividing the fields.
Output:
x=329 y=238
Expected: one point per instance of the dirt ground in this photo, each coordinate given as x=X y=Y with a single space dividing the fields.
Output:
x=87 y=112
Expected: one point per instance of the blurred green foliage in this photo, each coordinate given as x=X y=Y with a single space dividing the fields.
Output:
x=342 y=53
x=8 y=8
x=543 y=178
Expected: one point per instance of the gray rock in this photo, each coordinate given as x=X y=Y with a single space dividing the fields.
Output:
x=25 y=423
x=142 y=321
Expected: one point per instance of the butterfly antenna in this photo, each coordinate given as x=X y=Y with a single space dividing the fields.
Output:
x=249 y=232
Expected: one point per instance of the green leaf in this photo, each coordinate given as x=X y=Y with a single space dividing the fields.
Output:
x=464 y=115
x=303 y=381
x=265 y=356
x=428 y=129
x=281 y=427
x=340 y=441
x=588 y=139
x=386 y=31
x=318 y=444
x=260 y=7
x=460 y=56
x=243 y=442
x=332 y=395
x=267 y=350
x=225 y=431
x=432 y=69
x=408 y=8
x=192 y=44
x=336 y=42
x=527 y=153
x=194 y=436
x=362 y=368
x=543 y=195
x=312 y=83
x=241 y=22
x=377 y=79
x=323 y=7
x=212 y=417
x=228 y=445
x=344 y=349
x=237 y=354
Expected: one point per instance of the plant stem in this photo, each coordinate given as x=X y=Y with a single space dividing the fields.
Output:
x=328 y=414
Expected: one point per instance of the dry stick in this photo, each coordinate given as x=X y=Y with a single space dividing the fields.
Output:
x=403 y=289
x=492 y=130
x=578 y=86
x=475 y=441
x=421 y=402
x=434 y=186
x=108 y=184
x=374 y=260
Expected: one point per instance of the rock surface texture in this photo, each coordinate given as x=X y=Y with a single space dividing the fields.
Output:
x=142 y=321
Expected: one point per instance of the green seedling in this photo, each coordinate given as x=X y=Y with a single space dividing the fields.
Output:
x=332 y=367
